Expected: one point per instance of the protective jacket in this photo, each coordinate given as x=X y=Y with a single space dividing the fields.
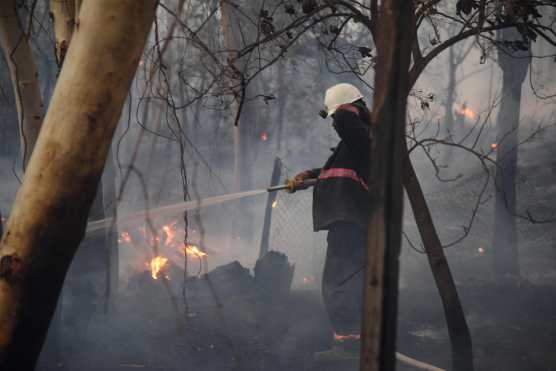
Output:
x=341 y=193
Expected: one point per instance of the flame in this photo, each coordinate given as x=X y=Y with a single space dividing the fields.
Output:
x=169 y=239
x=341 y=338
x=307 y=280
x=466 y=112
x=274 y=204
x=493 y=146
x=156 y=265
x=170 y=234
x=194 y=250
x=124 y=237
x=264 y=136
x=481 y=251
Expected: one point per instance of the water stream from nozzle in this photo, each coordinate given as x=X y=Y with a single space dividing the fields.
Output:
x=98 y=225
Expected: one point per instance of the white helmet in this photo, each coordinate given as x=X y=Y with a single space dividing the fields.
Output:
x=340 y=94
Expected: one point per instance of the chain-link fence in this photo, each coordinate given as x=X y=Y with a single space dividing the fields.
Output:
x=292 y=233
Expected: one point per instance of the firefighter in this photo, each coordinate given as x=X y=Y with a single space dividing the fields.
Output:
x=340 y=204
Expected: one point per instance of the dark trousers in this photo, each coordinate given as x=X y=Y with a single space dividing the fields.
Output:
x=342 y=282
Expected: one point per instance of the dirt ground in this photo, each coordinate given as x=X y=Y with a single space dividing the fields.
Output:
x=513 y=327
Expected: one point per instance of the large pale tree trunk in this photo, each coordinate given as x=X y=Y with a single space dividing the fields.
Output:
x=514 y=69
x=24 y=76
x=380 y=299
x=49 y=215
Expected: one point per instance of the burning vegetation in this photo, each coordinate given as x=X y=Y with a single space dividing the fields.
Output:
x=467 y=112
x=167 y=242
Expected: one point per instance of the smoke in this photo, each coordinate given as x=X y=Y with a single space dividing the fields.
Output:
x=151 y=325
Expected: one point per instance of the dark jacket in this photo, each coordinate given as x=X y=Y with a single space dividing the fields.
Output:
x=342 y=191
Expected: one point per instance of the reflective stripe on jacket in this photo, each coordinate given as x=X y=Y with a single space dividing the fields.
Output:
x=339 y=172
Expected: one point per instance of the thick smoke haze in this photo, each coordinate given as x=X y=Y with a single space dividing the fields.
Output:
x=179 y=146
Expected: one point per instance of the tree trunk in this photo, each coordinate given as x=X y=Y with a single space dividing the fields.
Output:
x=63 y=14
x=449 y=107
x=514 y=69
x=229 y=45
x=380 y=299
x=24 y=76
x=49 y=215
x=460 y=339
x=244 y=116
x=282 y=104
x=111 y=234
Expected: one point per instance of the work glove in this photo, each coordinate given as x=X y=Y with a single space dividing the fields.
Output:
x=300 y=178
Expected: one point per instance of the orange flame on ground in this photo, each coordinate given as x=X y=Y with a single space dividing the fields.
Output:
x=274 y=204
x=481 y=251
x=264 y=136
x=466 y=112
x=307 y=280
x=156 y=265
x=341 y=338
x=194 y=250
x=493 y=146
x=170 y=237
x=170 y=234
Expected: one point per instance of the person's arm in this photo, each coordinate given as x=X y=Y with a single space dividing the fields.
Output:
x=351 y=128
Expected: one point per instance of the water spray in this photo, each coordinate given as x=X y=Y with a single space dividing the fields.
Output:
x=289 y=186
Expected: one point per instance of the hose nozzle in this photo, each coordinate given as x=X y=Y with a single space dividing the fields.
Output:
x=291 y=186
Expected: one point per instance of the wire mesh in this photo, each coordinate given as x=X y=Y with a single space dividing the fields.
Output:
x=292 y=233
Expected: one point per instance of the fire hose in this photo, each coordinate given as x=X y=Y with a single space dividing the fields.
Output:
x=417 y=364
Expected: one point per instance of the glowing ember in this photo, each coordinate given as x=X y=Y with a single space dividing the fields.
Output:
x=264 y=136
x=170 y=234
x=156 y=265
x=481 y=251
x=124 y=237
x=341 y=338
x=194 y=250
x=307 y=280
x=493 y=146
x=274 y=204
x=466 y=112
